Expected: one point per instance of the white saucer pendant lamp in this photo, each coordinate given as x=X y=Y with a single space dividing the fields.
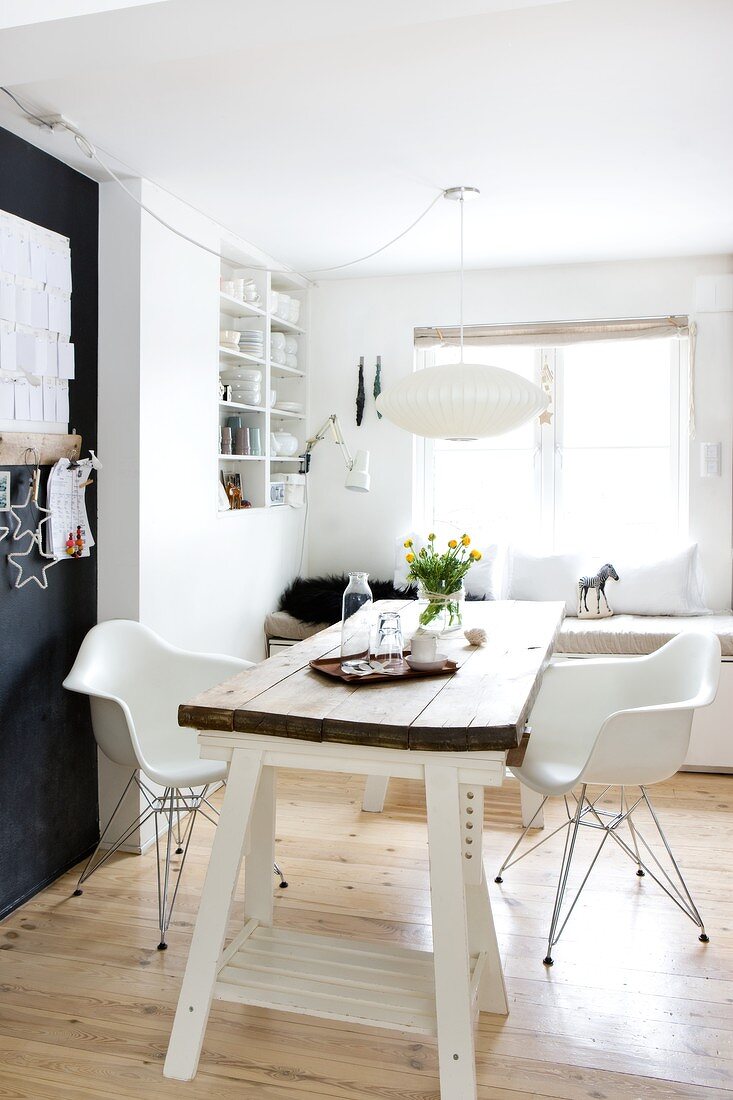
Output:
x=462 y=401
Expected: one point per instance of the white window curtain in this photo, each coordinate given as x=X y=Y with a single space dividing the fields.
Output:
x=562 y=333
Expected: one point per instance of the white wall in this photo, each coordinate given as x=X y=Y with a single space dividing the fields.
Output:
x=373 y=317
x=203 y=580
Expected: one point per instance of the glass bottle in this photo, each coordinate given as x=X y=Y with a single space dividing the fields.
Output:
x=356 y=621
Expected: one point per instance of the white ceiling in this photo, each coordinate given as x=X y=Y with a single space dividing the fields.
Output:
x=318 y=129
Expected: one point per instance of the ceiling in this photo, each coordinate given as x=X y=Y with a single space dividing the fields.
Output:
x=318 y=129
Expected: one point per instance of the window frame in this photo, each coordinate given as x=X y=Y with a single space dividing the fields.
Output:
x=548 y=449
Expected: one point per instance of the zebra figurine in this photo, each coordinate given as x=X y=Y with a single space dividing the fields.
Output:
x=599 y=583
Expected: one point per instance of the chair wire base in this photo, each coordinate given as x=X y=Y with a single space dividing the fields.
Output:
x=170 y=805
x=586 y=813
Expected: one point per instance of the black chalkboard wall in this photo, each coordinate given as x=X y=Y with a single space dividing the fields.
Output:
x=49 y=815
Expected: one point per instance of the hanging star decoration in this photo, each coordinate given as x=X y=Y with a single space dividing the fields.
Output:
x=34 y=535
x=546 y=380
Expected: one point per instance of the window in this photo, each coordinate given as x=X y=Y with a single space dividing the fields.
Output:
x=604 y=473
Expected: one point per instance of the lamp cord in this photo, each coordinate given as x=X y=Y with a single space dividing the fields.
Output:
x=461 y=284
x=89 y=150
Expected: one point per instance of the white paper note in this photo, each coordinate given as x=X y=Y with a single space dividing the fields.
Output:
x=8 y=250
x=24 y=253
x=49 y=399
x=8 y=346
x=59 y=312
x=39 y=308
x=22 y=399
x=58 y=269
x=35 y=402
x=7 y=298
x=7 y=399
x=66 y=359
x=38 y=261
x=22 y=304
x=26 y=350
x=62 y=401
x=52 y=358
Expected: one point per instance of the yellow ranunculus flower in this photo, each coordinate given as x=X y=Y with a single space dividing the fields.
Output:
x=465 y=540
x=476 y=555
x=432 y=537
x=407 y=544
x=410 y=558
x=453 y=544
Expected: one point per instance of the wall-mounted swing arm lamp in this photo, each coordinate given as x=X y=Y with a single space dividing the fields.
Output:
x=358 y=477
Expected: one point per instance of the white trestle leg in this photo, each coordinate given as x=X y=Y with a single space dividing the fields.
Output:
x=531 y=803
x=450 y=935
x=488 y=977
x=375 y=792
x=194 y=1002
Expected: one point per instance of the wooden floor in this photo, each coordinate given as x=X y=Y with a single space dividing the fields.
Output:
x=635 y=1007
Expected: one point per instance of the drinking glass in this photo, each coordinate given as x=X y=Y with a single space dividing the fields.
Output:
x=389 y=645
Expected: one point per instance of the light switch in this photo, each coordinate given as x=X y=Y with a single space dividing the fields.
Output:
x=711 y=459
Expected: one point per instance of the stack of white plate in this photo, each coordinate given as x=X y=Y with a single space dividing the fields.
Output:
x=252 y=342
x=291 y=406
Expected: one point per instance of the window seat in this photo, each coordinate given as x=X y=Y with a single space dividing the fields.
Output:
x=618 y=636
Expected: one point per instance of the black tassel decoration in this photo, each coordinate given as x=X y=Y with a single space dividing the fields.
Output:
x=378 y=382
x=360 y=394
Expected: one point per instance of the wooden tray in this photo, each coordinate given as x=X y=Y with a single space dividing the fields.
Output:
x=331 y=666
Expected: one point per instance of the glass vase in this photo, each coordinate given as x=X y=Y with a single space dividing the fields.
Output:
x=440 y=613
x=356 y=621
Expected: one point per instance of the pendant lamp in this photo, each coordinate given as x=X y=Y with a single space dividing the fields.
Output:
x=462 y=401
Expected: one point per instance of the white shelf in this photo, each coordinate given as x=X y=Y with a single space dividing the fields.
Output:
x=378 y=984
x=283 y=414
x=242 y=408
x=281 y=458
x=242 y=458
x=279 y=371
x=279 y=324
x=240 y=356
x=234 y=307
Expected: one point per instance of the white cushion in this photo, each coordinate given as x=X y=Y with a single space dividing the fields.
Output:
x=664 y=586
x=544 y=577
x=670 y=585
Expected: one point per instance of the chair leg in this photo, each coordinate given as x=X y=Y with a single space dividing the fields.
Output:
x=93 y=864
x=172 y=797
x=683 y=900
x=276 y=869
x=509 y=862
x=627 y=812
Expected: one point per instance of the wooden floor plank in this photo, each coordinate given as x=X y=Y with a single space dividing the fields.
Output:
x=635 y=1007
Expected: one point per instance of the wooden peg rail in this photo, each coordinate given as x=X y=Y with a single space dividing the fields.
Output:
x=15 y=447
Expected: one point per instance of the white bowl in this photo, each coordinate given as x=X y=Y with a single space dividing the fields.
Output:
x=291 y=406
x=428 y=666
x=229 y=336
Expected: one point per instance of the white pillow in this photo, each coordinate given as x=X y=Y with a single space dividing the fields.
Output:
x=546 y=577
x=666 y=586
x=483 y=579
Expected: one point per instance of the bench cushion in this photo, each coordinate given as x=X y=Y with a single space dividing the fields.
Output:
x=621 y=635
x=634 y=635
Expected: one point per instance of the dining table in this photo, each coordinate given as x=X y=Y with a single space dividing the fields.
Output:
x=456 y=734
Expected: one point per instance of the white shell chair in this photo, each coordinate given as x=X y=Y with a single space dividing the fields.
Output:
x=136 y=682
x=616 y=722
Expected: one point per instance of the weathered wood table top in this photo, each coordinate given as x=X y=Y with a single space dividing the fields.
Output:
x=483 y=706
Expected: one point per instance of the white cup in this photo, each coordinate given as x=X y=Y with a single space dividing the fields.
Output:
x=424 y=648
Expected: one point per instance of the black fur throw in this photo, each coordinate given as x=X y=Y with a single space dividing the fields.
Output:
x=318 y=599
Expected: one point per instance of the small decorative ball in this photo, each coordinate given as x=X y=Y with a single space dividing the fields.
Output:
x=475 y=636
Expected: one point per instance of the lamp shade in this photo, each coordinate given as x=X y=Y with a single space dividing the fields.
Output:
x=358 y=477
x=462 y=401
